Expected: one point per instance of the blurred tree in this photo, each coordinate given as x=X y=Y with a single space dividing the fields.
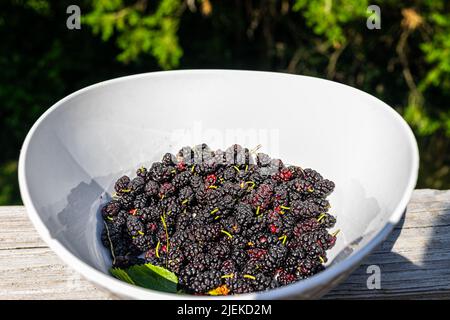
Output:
x=41 y=61
x=142 y=27
x=406 y=63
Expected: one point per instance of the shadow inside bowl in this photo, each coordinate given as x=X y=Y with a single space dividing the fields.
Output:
x=78 y=225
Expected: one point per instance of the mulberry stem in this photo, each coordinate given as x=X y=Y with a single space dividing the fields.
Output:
x=334 y=234
x=284 y=237
x=157 y=249
x=227 y=233
x=167 y=236
x=111 y=247
x=321 y=216
x=252 y=184
x=253 y=151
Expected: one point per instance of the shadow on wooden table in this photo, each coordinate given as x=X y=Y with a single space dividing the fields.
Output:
x=356 y=284
x=424 y=274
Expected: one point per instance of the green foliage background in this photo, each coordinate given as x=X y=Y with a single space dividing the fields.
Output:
x=406 y=63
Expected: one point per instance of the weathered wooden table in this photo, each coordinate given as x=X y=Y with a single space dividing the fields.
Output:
x=414 y=260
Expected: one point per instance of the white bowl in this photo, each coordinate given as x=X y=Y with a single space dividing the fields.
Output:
x=82 y=144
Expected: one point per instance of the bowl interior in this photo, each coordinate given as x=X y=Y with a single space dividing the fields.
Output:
x=81 y=146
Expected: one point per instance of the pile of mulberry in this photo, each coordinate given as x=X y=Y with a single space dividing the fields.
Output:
x=236 y=220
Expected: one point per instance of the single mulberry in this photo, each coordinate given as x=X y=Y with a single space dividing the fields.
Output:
x=159 y=173
x=135 y=227
x=182 y=179
x=304 y=209
x=204 y=282
x=152 y=188
x=168 y=159
x=111 y=209
x=121 y=184
x=137 y=184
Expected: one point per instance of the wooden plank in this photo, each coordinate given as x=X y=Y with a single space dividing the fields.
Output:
x=37 y=273
x=16 y=230
x=414 y=260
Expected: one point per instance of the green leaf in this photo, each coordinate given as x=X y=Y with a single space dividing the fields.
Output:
x=148 y=276
x=121 y=275
x=163 y=272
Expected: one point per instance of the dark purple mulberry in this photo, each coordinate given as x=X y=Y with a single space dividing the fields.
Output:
x=122 y=184
x=304 y=209
x=152 y=188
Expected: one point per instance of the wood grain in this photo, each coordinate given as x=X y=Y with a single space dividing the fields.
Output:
x=37 y=273
x=414 y=260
